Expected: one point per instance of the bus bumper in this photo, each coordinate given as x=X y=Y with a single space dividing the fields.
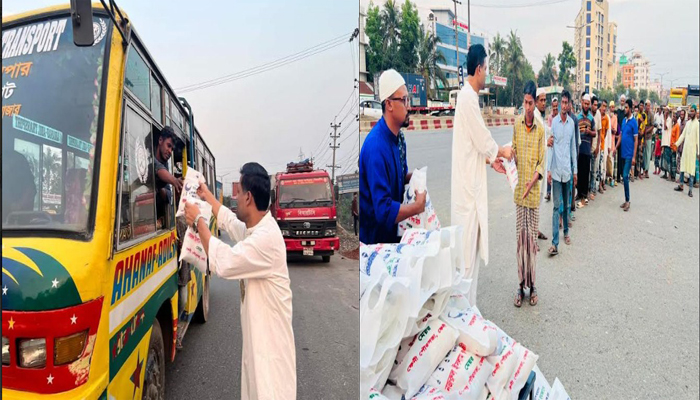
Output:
x=320 y=247
x=94 y=389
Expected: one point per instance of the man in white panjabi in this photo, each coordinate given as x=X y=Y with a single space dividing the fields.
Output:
x=540 y=116
x=473 y=148
x=259 y=261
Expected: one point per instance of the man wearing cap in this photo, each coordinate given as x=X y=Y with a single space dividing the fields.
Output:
x=383 y=173
x=604 y=146
x=473 y=148
x=666 y=130
x=691 y=150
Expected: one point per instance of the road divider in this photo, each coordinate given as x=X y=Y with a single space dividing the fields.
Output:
x=441 y=123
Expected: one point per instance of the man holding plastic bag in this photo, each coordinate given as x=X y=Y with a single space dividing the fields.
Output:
x=259 y=261
x=472 y=148
x=383 y=172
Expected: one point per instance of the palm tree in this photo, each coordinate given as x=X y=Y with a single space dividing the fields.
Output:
x=498 y=49
x=515 y=60
x=390 y=22
x=428 y=58
x=547 y=75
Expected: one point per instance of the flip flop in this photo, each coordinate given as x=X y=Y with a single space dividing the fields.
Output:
x=518 y=301
x=541 y=236
x=553 y=251
x=567 y=240
x=533 y=297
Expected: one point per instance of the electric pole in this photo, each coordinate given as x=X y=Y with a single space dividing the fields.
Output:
x=454 y=23
x=335 y=137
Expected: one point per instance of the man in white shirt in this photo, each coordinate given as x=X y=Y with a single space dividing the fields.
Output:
x=666 y=129
x=259 y=261
x=473 y=148
x=540 y=109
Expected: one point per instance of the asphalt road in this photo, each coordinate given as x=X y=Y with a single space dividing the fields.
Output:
x=326 y=332
x=618 y=309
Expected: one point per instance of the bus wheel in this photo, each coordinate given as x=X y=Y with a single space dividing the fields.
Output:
x=153 y=382
x=201 y=314
x=326 y=259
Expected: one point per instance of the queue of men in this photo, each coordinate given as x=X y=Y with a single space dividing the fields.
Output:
x=580 y=156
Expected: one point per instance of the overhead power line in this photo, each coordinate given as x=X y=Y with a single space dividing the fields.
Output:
x=319 y=48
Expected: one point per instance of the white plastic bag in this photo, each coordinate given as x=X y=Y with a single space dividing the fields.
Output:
x=461 y=375
x=558 y=392
x=375 y=376
x=526 y=362
x=504 y=365
x=189 y=189
x=480 y=337
x=423 y=357
x=383 y=318
x=192 y=247
x=428 y=392
x=428 y=218
x=542 y=388
x=511 y=170
x=374 y=394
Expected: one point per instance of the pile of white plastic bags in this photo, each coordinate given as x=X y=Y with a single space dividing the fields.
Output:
x=419 y=336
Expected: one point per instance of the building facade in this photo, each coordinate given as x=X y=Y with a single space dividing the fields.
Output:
x=595 y=44
x=363 y=45
x=628 y=75
x=641 y=71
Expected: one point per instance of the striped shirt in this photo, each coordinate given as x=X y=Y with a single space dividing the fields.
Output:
x=528 y=145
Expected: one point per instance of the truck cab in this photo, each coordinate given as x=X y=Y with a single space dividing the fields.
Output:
x=303 y=204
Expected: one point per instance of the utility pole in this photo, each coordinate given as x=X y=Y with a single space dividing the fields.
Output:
x=456 y=33
x=301 y=155
x=335 y=137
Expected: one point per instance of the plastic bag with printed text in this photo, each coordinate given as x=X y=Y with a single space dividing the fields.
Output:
x=192 y=247
x=462 y=374
x=428 y=218
x=189 y=190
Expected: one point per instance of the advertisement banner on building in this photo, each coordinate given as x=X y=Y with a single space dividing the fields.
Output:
x=348 y=183
x=460 y=26
x=496 y=80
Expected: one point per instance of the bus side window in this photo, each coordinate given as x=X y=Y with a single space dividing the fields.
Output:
x=137 y=196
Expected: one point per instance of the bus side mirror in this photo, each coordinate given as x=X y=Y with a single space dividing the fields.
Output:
x=81 y=17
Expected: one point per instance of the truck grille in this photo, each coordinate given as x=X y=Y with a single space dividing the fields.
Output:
x=313 y=229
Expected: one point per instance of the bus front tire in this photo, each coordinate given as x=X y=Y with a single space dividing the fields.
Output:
x=201 y=314
x=326 y=259
x=154 y=379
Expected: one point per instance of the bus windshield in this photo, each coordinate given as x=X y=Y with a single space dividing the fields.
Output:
x=305 y=192
x=50 y=104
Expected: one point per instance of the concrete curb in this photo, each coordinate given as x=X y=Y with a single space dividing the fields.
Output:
x=442 y=123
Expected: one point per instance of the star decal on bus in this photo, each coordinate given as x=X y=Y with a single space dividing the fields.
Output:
x=136 y=376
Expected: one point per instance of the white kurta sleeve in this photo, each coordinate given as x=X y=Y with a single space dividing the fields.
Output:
x=249 y=258
x=234 y=227
x=481 y=136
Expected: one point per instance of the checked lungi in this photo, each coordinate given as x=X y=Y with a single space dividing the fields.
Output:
x=526 y=223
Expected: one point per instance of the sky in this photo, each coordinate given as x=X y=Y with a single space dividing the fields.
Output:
x=268 y=117
x=665 y=32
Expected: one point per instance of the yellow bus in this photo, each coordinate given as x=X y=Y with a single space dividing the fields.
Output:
x=677 y=97
x=93 y=298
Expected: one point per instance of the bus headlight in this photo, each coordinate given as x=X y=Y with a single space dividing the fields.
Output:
x=285 y=232
x=32 y=353
x=330 y=232
x=5 y=351
x=69 y=348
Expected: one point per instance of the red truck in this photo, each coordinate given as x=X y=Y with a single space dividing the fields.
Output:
x=303 y=203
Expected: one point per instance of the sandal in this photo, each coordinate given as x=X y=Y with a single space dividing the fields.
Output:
x=519 y=298
x=541 y=236
x=533 y=296
x=553 y=251
x=567 y=239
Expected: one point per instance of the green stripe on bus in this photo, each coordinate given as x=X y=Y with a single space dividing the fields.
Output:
x=123 y=343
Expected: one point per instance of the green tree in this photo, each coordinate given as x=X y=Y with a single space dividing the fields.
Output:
x=374 y=52
x=428 y=58
x=515 y=61
x=547 y=74
x=498 y=49
x=654 y=97
x=410 y=35
x=567 y=61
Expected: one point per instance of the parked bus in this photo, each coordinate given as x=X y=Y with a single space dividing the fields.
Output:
x=677 y=97
x=94 y=300
x=693 y=94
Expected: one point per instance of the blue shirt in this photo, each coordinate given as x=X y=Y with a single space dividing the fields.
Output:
x=563 y=151
x=586 y=139
x=629 y=132
x=382 y=176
